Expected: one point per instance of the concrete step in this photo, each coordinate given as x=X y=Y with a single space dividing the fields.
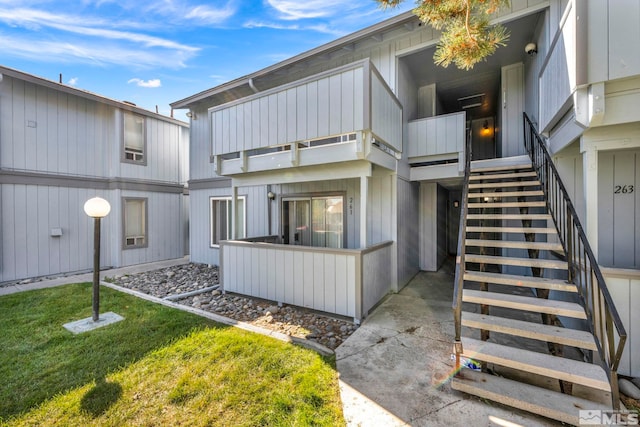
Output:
x=522 y=262
x=474 y=229
x=519 y=281
x=517 y=302
x=500 y=168
x=502 y=194
x=574 y=371
x=548 y=403
x=505 y=184
x=544 y=246
x=475 y=176
x=536 y=331
x=482 y=205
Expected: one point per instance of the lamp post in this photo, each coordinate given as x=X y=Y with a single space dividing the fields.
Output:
x=97 y=209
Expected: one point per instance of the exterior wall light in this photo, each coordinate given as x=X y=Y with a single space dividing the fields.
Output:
x=531 y=48
x=271 y=195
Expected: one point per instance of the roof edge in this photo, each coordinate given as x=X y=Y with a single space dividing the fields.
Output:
x=11 y=72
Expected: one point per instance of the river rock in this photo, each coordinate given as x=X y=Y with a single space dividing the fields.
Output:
x=629 y=389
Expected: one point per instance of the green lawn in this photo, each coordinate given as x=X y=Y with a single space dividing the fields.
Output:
x=160 y=366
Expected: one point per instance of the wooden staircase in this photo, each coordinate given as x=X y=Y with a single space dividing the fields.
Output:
x=509 y=321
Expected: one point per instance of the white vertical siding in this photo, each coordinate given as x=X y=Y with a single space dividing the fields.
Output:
x=618 y=227
x=377 y=277
x=437 y=135
x=558 y=75
x=386 y=113
x=624 y=287
x=407 y=237
x=312 y=278
x=29 y=212
x=381 y=212
x=54 y=132
x=327 y=106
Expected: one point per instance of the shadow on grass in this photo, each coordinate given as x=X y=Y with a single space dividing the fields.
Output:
x=40 y=359
x=100 y=398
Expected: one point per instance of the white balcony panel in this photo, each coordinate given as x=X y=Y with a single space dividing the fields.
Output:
x=436 y=136
x=330 y=103
x=558 y=75
x=386 y=113
x=347 y=282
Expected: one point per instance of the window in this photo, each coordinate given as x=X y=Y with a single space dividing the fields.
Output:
x=313 y=221
x=134 y=138
x=135 y=223
x=221 y=219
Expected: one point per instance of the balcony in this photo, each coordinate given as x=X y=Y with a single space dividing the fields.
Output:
x=436 y=146
x=341 y=115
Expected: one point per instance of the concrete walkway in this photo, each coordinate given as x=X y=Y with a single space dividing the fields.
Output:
x=395 y=369
x=88 y=277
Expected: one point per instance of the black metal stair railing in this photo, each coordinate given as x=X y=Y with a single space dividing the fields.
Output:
x=460 y=264
x=602 y=316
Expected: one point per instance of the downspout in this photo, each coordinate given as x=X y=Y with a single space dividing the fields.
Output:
x=252 y=86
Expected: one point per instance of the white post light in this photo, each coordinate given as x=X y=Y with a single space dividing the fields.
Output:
x=96 y=208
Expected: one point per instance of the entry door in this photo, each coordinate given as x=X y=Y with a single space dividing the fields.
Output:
x=296 y=226
x=512 y=108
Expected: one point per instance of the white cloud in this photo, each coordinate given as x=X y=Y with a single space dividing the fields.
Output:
x=73 y=81
x=208 y=15
x=146 y=83
x=295 y=9
x=85 y=51
x=93 y=40
x=320 y=28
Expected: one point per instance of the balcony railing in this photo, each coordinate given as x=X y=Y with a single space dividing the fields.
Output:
x=437 y=138
x=348 y=282
x=347 y=113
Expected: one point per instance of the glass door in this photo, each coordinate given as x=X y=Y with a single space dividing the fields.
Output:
x=296 y=228
x=313 y=221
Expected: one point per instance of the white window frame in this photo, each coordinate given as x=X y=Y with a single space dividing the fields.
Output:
x=140 y=241
x=212 y=218
x=131 y=155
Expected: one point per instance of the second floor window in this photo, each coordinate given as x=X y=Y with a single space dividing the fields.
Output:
x=134 y=138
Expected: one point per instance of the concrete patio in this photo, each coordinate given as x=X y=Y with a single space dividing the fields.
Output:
x=395 y=368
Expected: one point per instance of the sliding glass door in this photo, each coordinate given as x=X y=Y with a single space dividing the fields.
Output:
x=313 y=221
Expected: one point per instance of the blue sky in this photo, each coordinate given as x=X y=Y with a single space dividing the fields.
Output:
x=154 y=53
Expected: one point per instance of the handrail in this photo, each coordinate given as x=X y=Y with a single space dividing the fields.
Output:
x=584 y=271
x=460 y=266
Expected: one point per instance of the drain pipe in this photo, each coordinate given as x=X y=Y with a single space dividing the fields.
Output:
x=252 y=86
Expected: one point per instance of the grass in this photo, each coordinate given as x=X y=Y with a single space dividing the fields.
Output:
x=160 y=366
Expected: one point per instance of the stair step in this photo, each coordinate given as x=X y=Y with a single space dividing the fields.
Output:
x=543 y=246
x=537 y=331
x=520 y=281
x=517 y=302
x=536 y=204
x=474 y=176
x=574 y=371
x=505 y=184
x=537 y=400
x=507 y=194
x=500 y=168
x=522 y=262
x=510 y=216
x=474 y=229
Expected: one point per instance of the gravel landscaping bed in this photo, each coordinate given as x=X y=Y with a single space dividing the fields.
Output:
x=172 y=282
